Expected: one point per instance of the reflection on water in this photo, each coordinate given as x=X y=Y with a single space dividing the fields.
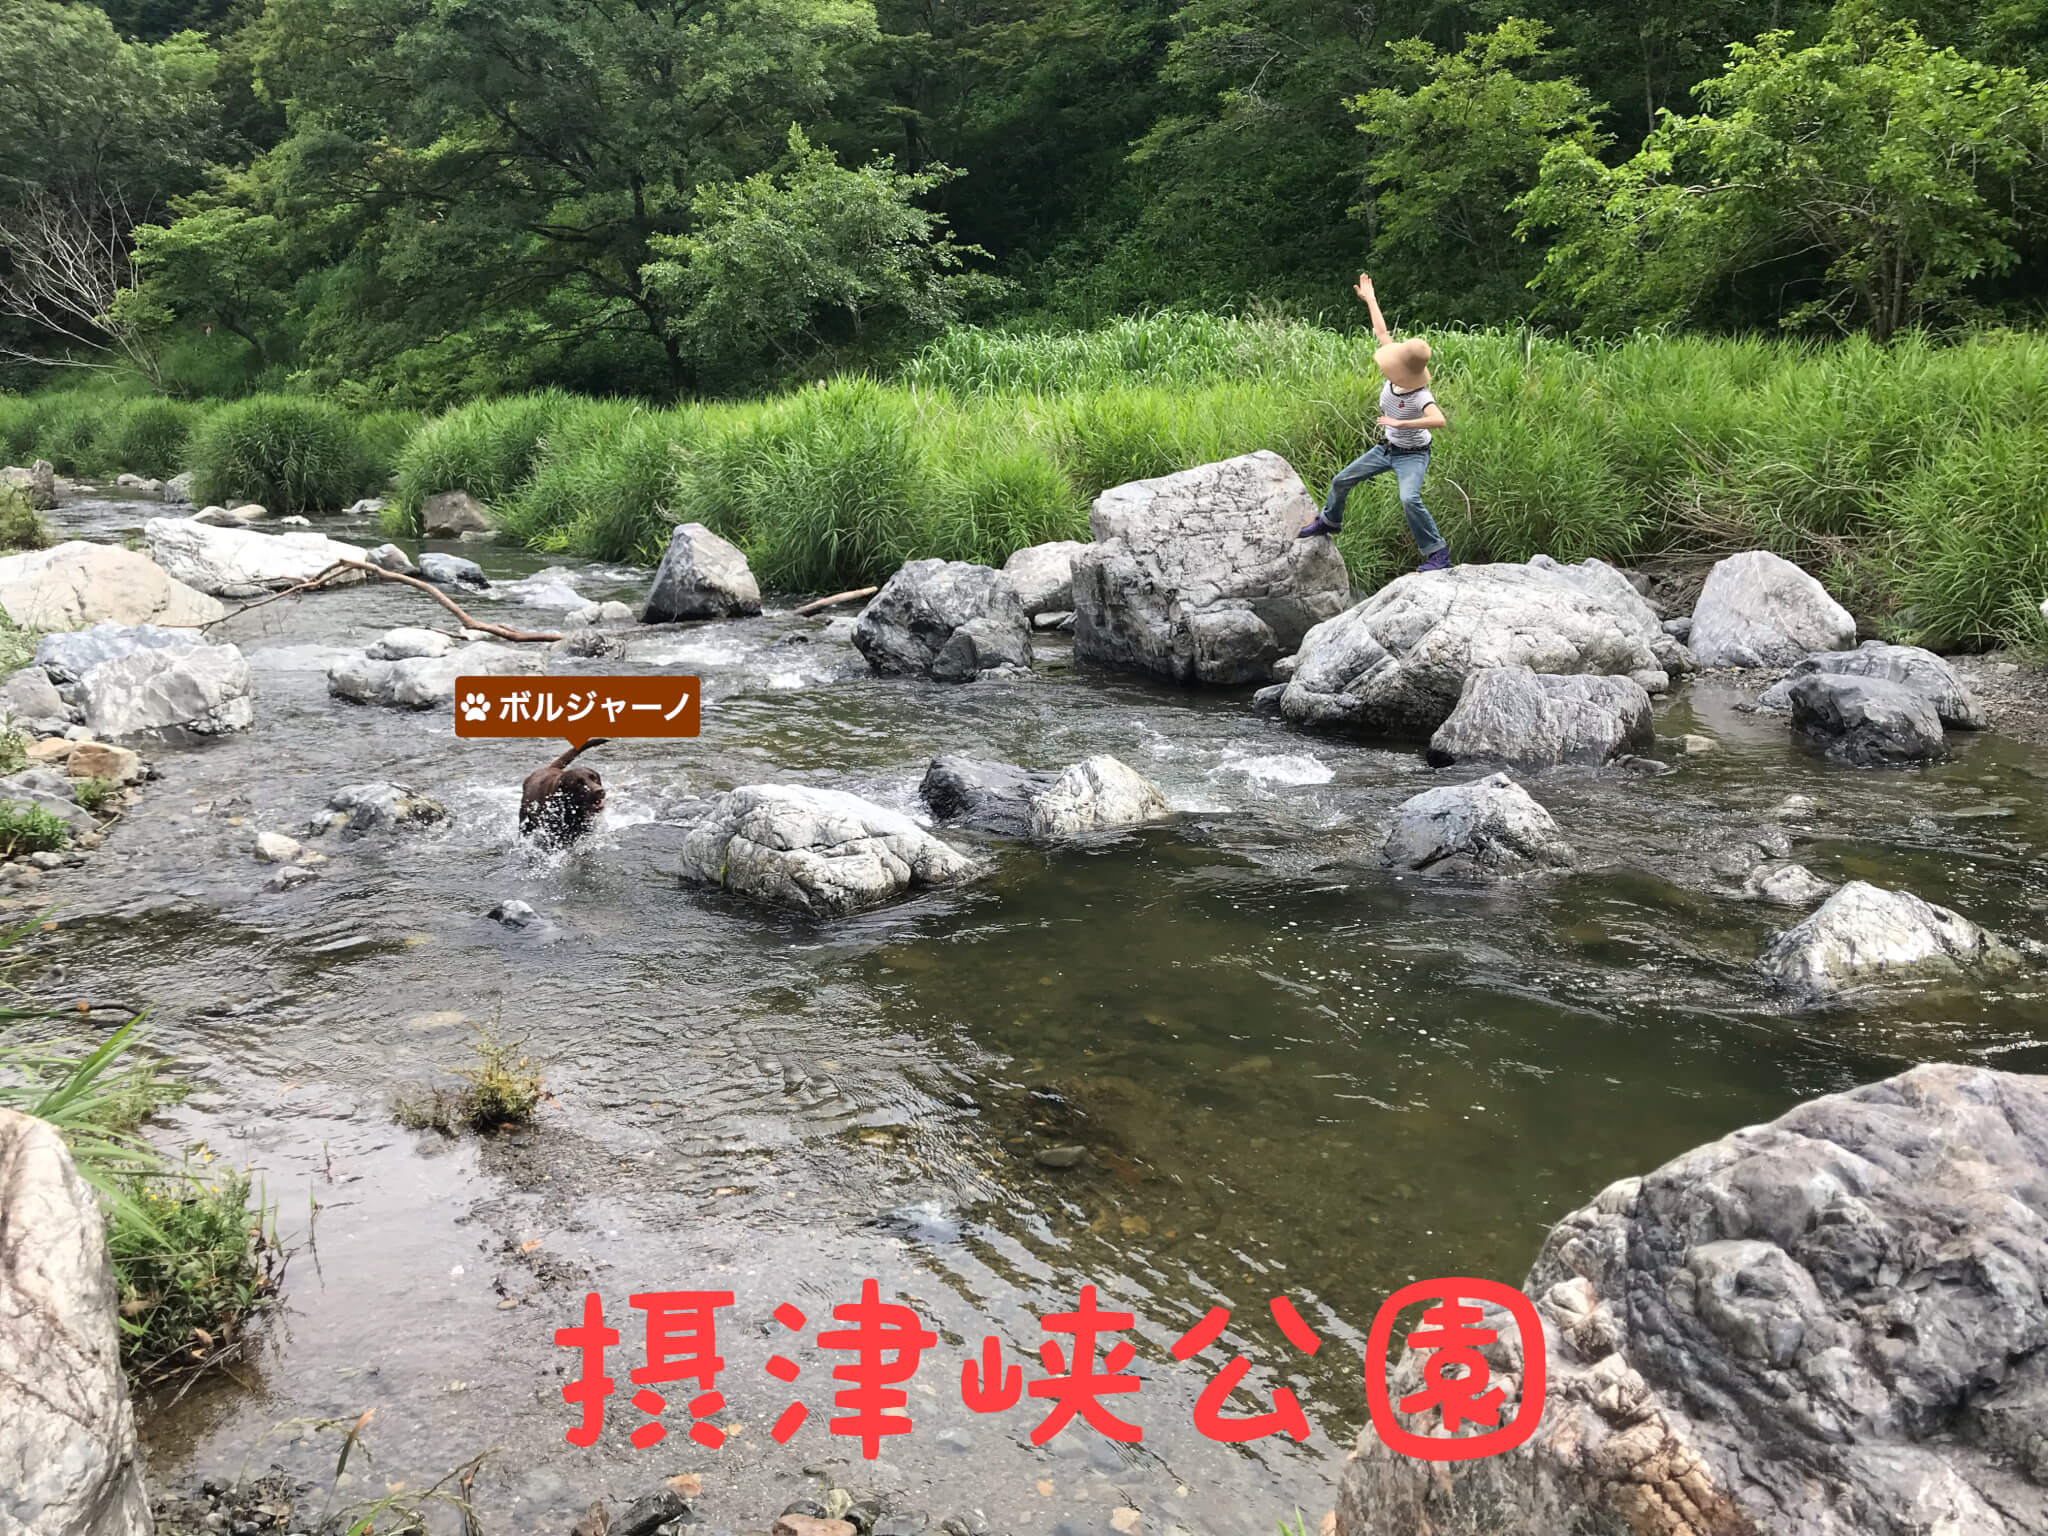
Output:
x=1289 y=1072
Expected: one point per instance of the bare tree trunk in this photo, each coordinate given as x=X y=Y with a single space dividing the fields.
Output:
x=63 y=263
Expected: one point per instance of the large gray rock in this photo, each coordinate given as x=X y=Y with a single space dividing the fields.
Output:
x=821 y=851
x=1908 y=665
x=38 y=482
x=406 y=643
x=701 y=576
x=69 y=1464
x=75 y=584
x=125 y=680
x=1757 y=610
x=389 y=557
x=50 y=791
x=913 y=625
x=1396 y=664
x=423 y=681
x=1491 y=826
x=1198 y=576
x=1043 y=575
x=1864 y=934
x=378 y=806
x=1868 y=721
x=1094 y=795
x=451 y=514
x=1538 y=720
x=238 y=562
x=178 y=489
x=1830 y=1325
x=451 y=571
x=994 y=797
x=28 y=694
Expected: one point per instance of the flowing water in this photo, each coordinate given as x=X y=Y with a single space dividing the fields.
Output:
x=1294 y=1074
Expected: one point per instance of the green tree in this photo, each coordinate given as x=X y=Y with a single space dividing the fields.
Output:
x=1875 y=177
x=784 y=263
x=1451 y=152
x=217 y=266
x=505 y=164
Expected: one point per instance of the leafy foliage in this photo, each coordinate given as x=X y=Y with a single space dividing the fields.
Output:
x=288 y=452
x=1877 y=177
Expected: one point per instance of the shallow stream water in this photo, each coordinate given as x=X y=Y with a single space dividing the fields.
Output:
x=1295 y=1074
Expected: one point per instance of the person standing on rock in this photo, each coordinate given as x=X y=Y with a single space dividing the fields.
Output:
x=1409 y=418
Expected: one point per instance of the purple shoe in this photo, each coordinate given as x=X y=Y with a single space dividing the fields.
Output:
x=1440 y=560
x=1317 y=528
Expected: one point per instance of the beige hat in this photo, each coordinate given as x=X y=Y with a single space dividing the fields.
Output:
x=1404 y=364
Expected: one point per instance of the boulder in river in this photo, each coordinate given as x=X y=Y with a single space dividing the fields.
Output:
x=701 y=576
x=451 y=514
x=1094 y=795
x=1538 y=720
x=606 y=615
x=1198 y=576
x=240 y=562
x=75 y=584
x=1491 y=826
x=1864 y=934
x=178 y=489
x=379 y=806
x=1043 y=575
x=69 y=1461
x=1758 y=610
x=38 y=482
x=1922 y=671
x=125 y=680
x=821 y=851
x=1784 y=885
x=405 y=643
x=946 y=619
x=423 y=681
x=990 y=796
x=1396 y=664
x=452 y=571
x=389 y=557
x=1829 y=1325
x=1868 y=721
x=102 y=760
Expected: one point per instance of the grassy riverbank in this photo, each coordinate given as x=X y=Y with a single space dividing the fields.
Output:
x=1914 y=478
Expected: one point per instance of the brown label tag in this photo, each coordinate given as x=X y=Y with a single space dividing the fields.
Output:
x=576 y=709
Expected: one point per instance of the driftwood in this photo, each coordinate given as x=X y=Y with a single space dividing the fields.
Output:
x=335 y=571
x=836 y=599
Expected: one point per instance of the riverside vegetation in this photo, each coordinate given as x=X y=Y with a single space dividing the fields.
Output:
x=1914 y=475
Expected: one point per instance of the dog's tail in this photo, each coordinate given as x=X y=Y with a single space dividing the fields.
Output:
x=573 y=753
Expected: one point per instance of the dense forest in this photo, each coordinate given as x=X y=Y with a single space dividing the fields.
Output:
x=409 y=203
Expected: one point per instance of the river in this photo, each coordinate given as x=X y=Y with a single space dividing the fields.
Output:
x=1294 y=1074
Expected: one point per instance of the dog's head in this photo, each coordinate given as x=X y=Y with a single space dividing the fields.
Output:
x=583 y=788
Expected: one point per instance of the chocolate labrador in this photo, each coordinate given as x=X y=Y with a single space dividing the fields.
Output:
x=558 y=803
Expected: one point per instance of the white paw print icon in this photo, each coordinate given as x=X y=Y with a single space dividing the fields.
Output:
x=475 y=707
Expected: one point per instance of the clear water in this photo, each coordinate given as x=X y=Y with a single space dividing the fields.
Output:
x=1293 y=1073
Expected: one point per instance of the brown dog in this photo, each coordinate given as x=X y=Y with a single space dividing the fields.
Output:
x=558 y=803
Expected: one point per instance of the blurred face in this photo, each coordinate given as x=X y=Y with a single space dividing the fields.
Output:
x=1404 y=363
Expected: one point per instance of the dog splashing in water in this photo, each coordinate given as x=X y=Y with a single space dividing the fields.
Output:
x=559 y=803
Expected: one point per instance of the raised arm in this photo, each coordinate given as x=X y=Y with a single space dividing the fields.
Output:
x=1372 y=305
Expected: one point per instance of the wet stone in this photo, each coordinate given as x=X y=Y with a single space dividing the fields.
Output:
x=643 y=1515
x=806 y=1525
x=809 y=1508
x=1055 y=1157
x=904 y=1522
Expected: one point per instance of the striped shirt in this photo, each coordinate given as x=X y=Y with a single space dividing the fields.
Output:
x=1406 y=406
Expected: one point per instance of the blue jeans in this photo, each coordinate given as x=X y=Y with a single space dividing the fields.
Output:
x=1407 y=465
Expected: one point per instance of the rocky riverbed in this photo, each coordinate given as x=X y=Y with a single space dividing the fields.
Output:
x=1234 y=1052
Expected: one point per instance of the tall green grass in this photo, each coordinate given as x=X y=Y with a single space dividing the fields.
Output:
x=289 y=452
x=1907 y=474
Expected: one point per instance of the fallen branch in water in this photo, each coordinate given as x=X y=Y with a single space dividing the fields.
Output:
x=336 y=570
x=835 y=599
